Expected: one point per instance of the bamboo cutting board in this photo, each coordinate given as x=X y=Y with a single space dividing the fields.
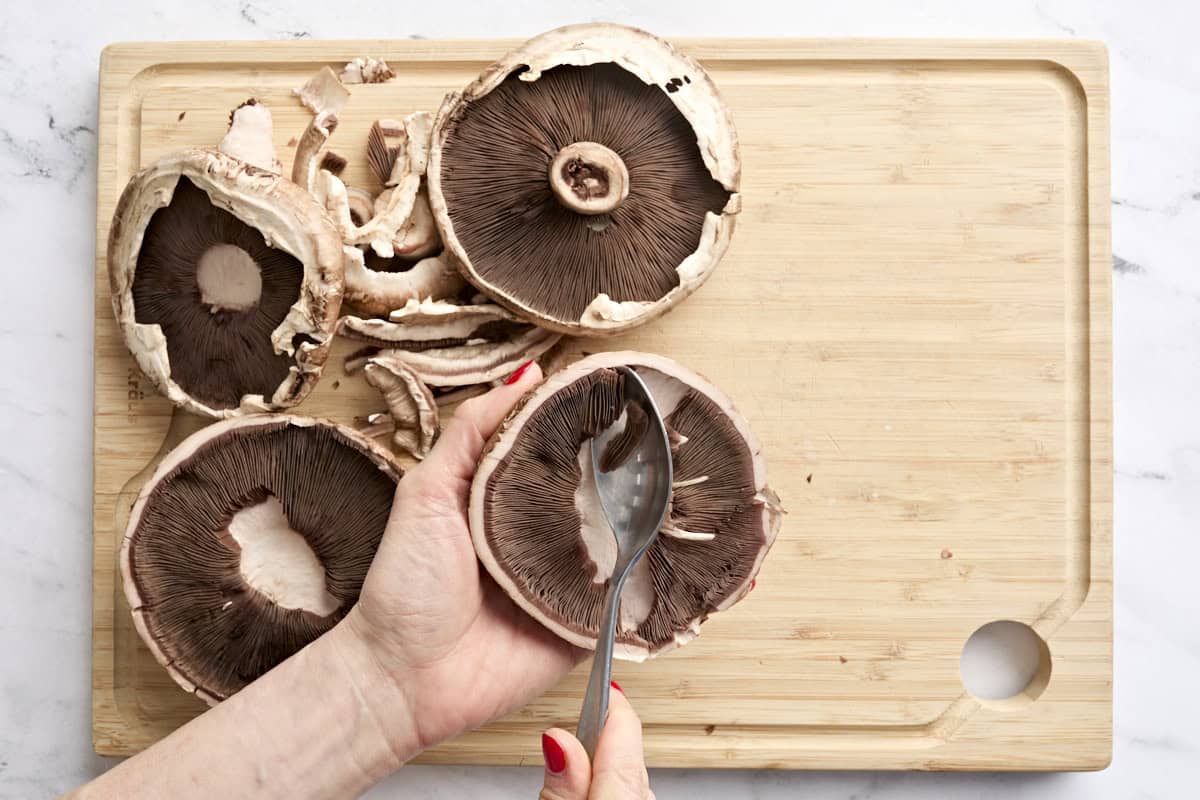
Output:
x=915 y=317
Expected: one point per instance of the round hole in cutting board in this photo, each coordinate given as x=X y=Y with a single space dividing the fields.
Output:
x=1005 y=663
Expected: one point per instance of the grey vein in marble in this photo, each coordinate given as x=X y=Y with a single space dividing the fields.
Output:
x=1124 y=267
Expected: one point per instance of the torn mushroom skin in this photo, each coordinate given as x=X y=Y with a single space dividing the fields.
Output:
x=399 y=228
x=226 y=277
x=554 y=558
x=249 y=137
x=231 y=561
x=418 y=237
x=449 y=345
x=387 y=143
x=362 y=205
x=593 y=142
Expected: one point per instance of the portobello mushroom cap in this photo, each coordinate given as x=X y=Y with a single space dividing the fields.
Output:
x=540 y=531
x=226 y=277
x=251 y=539
x=588 y=180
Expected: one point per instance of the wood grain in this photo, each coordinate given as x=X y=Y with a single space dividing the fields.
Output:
x=915 y=315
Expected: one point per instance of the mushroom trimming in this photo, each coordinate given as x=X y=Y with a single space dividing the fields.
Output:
x=555 y=556
x=412 y=409
x=394 y=232
x=251 y=539
x=226 y=277
x=588 y=180
x=446 y=344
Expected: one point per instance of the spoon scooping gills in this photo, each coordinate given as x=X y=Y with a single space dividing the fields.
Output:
x=631 y=466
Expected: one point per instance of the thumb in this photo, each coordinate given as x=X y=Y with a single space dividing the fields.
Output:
x=458 y=448
x=619 y=768
x=568 y=773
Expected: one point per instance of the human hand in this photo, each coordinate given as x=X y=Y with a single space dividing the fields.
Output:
x=619 y=770
x=458 y=651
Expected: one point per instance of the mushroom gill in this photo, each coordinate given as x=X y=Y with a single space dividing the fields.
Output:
x=523 y=240
x=555 y=556
x=219 y=581
x=219 y=351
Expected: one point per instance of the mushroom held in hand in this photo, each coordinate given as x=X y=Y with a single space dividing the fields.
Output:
x=541 y=532
x=226 y=277
x=251 y=539
x=588 y=180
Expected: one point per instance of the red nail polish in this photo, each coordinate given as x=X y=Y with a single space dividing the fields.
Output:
x=552 y=752
x=516 y=376
x=616 y=686
x=753 y=583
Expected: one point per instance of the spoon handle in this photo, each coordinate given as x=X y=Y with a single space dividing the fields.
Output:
x=595 y=702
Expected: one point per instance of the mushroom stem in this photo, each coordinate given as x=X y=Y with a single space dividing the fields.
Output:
x=589 y=178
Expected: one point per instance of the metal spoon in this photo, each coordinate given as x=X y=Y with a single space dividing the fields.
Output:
x=635 y=496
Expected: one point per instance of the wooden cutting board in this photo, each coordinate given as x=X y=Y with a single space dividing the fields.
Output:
x=915 y=316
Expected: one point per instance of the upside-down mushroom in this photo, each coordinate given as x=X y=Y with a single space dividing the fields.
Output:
x=226 y=277
x=555 y=557
x=588 y=180
x=251 y=539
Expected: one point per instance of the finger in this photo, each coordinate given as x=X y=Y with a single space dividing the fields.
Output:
x=458 y=448
x=568 y=773
x=619 y=768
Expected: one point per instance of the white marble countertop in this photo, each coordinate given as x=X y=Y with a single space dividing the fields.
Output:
x=48 y=73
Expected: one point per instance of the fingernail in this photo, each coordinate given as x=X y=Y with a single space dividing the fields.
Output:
x=516 y=376
x=616 y=686
x=753 y=583
x=552 y=752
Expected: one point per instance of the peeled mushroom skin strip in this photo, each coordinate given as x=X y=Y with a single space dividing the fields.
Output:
x=463 y=366
x=410 y=403
x=405 y=179
x=425 y=325
x=432 y=310
x=418 y=237
x=307 y=164
x=323 y=93
x=249 y=137
x=374 y=292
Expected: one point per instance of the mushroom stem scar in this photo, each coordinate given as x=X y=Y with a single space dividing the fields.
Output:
x=589 y=178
